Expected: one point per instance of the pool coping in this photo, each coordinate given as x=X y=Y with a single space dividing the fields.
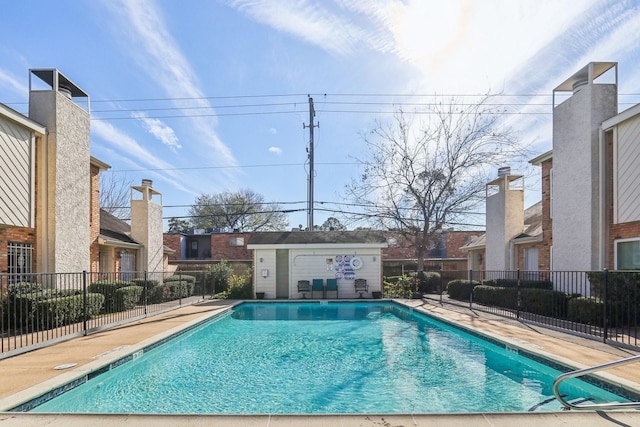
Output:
x=31 y=397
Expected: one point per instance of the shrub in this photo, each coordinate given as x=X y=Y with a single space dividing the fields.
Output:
x=621 y=295
x=127 y=297
x=159 y=294
x=399 y=286
x=19 y=306
x=240 y=287
x=536 y=301
x=179 y=289
x=180 y=278
x=108 y=288
x=145 y=283
x=427 y=281
x=66 y=310
x=220 y=275
x=586 y=310
x=461 y=289
x=513 y=283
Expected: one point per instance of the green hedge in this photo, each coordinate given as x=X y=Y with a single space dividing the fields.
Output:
x=586 y=310
x=537 y=301
x=159 y=294
x=181 y=278
x=622 y=295
x=108 y=288
x=461 y=289
x=427 y=281
x=66 y=310
x=127 y=297
x=513 y=283
x=145 y=283
x=399 y=286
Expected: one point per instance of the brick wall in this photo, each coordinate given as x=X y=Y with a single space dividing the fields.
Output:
x=172 y=240
x=457 y=239
x=221 y=247
x=16 y=235
x=94 y=218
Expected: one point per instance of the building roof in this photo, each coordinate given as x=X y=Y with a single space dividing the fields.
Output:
x=318 y=237
x=114 y=229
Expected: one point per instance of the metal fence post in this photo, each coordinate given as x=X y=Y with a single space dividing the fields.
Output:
x=144 y=292
x=518 y=296
x=605 y=321
x=471 y=293
x=180 y=288
x=441 y=280
x=84 y=302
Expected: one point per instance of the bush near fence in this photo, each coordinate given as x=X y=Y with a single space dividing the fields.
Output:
x=400 y=286
x=623 y=302
x=108 y=288
x=461 y=289
x=67 y=310
x=587 y=310
x=25 y=302
x=532 y=300
x=427 y=282
x=513 y=283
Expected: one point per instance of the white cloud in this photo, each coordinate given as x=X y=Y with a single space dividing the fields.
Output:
x=137 y=154
x=6 y=79
x=157 y=52
x=160 y=130
x=275 y=150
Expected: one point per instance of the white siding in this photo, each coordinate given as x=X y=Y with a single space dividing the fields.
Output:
x=16 y=174
x=627 y=178
x=311 y=263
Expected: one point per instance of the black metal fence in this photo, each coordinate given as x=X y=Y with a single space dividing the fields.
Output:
x=38 y=309
x=601 y=304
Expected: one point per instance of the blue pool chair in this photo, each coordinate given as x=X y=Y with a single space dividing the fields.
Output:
x=361 y=286
x=304 y=287
x=318 y=286
x=332 y=285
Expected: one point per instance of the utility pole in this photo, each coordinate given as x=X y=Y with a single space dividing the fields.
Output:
x=312 y=114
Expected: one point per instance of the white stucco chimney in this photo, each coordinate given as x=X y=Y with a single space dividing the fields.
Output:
x=590 y=97
x=505 y=218
x=63 y=182
x=146 y=226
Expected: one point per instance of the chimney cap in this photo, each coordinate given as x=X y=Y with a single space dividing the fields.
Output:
x=57 y=81
x=146 y=182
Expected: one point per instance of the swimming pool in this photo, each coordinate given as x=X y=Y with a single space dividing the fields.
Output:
x=336 y=357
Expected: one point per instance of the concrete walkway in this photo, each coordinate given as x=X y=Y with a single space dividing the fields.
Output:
x=28 y=375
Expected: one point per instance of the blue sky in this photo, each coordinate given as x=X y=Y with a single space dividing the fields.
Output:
x=209 y=96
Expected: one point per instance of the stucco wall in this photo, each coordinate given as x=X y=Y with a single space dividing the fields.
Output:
x=505 y=220
x=146 y=229
x=63 y=232
x=576 y=224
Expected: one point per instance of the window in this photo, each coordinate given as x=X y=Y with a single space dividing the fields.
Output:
x=20 y=261
x=531 y=263
x=236 y=241
x=627 y=254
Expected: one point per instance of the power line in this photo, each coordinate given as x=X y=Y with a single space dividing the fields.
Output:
x=230 y=167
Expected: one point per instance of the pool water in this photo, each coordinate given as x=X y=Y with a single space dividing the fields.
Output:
x=307 y=357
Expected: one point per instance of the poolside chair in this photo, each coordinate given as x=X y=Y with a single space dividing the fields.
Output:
x=361 y=286
x=303 y=287
x=318 y=286
x=332 y=285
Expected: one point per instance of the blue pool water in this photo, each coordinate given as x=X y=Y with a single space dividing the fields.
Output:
x=293 y=358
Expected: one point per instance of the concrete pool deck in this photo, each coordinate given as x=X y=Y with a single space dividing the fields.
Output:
x=26 y=376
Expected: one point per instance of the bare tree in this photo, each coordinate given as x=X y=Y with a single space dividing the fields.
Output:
x=240 y=210
x=115 y=194
x=423 y=173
